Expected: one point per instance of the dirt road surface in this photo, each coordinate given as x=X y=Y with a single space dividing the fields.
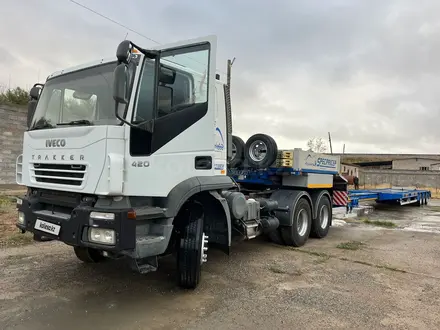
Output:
x=359 y=277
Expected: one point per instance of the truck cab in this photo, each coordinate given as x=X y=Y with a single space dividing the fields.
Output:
x=110 y=160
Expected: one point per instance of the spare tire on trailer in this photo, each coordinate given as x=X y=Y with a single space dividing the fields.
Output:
x=237 y=152
x=260 y=151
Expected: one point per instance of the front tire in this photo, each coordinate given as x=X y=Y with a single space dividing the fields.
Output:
x=88 y=255
x=191 y=247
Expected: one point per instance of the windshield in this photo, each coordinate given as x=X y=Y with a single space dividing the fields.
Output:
x=85 y=96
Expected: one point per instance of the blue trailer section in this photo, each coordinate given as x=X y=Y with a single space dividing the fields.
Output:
x=270 y=176
x=399 y=196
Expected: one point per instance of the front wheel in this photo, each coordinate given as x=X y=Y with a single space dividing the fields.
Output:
x=192 y=248
x=88 y=255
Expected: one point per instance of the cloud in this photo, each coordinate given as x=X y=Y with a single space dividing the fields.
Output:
x=367 y=71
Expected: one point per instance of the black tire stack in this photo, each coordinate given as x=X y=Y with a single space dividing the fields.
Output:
x=260 y=151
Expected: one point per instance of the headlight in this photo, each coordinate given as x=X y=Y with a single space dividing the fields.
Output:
x=21 y=218
x=102 y=216
x=102 y=236
x=19 y=201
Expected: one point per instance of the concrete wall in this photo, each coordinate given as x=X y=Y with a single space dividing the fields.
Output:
x=399 y=178
x=413 y=163
x=12 y=126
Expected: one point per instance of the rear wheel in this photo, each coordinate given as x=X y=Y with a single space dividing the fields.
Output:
x=192 y=247
x=297 y=234
x=88 y=255
x=321 y=224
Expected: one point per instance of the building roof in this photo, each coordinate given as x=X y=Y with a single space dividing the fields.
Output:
x=424 y=158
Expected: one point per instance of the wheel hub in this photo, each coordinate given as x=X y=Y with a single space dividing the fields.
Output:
x=323 y=216
x=302 y=223
x=258 y=151
x=234 y=151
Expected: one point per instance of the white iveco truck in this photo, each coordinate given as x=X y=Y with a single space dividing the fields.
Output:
x=134 y=157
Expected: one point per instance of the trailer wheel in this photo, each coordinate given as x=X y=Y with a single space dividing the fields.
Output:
x=237 y=152
x=260 y=151
x=192 y=247
x=88 y=255
x=297 y=234
x=321 y=224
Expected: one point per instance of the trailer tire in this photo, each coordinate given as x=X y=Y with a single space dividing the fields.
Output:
x=237 y=158
x=253 y=157
x=297 y=234
x=190 y=247
x=88 y=255
x=321 y=225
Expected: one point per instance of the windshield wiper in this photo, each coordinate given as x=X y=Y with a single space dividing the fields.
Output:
x=77 y=122
x=42 y=124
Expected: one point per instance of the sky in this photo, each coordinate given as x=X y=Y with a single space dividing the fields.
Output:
x=366 y=71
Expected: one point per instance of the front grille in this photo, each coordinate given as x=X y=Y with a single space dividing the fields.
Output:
x=65 y=174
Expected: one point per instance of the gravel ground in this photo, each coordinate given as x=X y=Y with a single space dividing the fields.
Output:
x=359 y=277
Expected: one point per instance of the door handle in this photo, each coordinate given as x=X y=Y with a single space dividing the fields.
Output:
x=203 y=162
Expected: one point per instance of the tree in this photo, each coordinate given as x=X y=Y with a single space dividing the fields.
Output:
x=16 y=95
x=316 y=144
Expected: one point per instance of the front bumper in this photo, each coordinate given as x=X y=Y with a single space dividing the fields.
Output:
x=74 y=226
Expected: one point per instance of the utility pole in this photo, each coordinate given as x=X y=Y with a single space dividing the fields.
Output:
x=343 y=149
x=228 y=76
x=330 y=141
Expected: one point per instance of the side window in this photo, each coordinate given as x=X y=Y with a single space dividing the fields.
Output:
x=145 y=99
x=191 y=83
x=189 y=67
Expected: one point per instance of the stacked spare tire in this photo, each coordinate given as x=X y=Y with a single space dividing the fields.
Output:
x=259 y=151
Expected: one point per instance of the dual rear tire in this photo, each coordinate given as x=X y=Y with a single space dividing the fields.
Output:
x=303 y=225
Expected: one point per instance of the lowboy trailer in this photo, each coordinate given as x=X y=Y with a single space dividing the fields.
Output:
x=392 y=196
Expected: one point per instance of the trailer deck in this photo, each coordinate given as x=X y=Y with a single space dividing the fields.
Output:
x=399 y=196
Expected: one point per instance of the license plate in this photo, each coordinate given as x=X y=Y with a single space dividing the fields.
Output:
x=47 y=227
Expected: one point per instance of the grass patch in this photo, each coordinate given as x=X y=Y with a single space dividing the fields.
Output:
x=313 y=253
x=16 y=239
x=366 y=263
x=352 y=245
x=380 y=223
x=6 y=201
x=321 y=260
x=324 y=257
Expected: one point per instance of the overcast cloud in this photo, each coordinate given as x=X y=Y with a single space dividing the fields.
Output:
x=367 y=71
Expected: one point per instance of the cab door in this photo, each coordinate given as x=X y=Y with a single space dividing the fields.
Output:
x=182 y=144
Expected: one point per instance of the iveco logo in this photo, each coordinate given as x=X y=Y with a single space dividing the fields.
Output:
x=60 y=143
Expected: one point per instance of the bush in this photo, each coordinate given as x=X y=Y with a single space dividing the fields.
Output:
x=16 y=95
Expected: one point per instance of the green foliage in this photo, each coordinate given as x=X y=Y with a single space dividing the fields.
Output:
x=17 y=96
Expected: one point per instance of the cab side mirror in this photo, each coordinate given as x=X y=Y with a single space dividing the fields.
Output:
x=120 y=83
x=32 y=104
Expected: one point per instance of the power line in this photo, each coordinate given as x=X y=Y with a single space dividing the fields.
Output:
x=125 y=27
x=113 y=21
